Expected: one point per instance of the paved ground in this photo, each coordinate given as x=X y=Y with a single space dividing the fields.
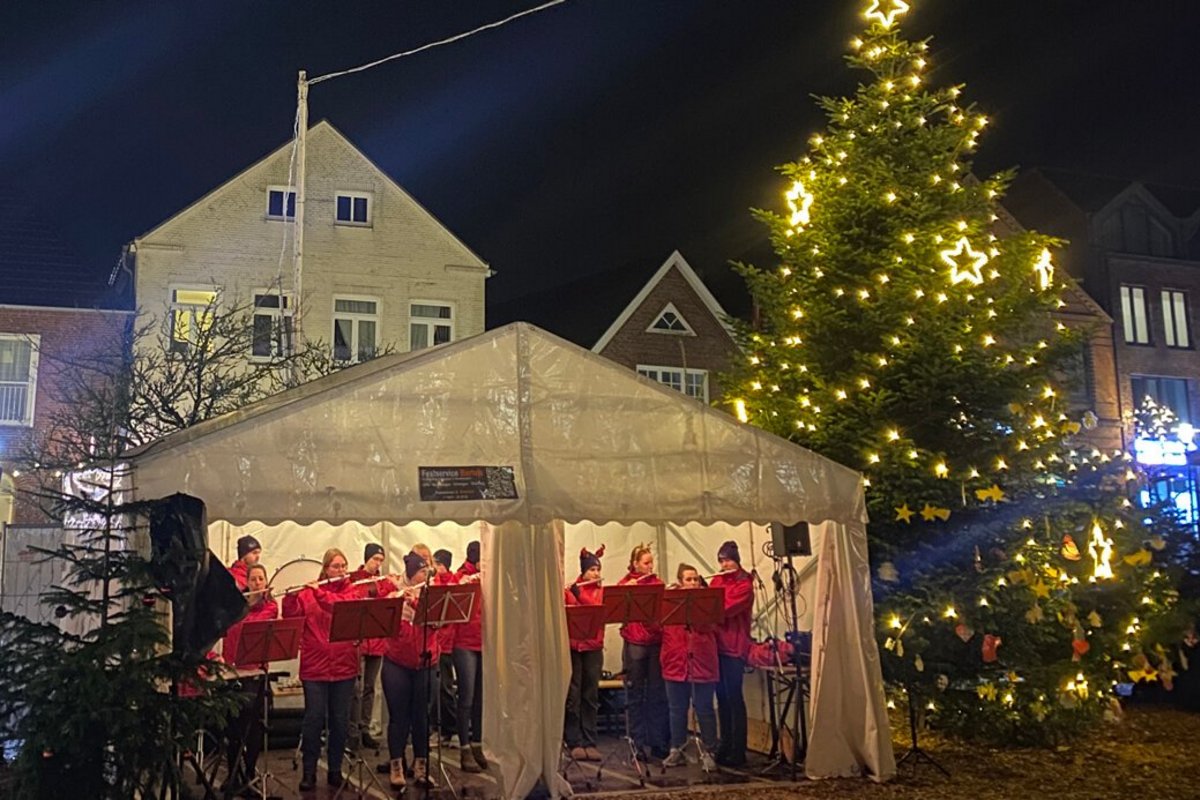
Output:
x=1152 y=753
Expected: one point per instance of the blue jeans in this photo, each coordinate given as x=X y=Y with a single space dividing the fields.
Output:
x=325 y=701
x=679 y=696
x=731 y=707
x=407 y=694
x=468 y=667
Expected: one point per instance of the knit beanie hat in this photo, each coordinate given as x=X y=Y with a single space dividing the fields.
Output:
x=246 y=545
x=413 y=564
x=588 y=560
x=729 y=550
x=442 y=557
x=473 y=553
x=372 y=550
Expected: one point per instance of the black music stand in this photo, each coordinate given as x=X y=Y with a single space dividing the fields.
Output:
x=625 y=603
x=583 y=622
x=438 y=606
x=692 y=607
x=261 y=642
x=915 y=753
x=353 y=621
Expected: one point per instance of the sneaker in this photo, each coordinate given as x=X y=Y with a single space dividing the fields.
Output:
x=480 y=758
x=593 y=754
x=396 y=771
x=579 y=754
x=421 y=772
x=707 y=762
x=466 y=760
x=675 y=758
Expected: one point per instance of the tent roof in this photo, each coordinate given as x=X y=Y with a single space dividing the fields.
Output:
x=586 y=439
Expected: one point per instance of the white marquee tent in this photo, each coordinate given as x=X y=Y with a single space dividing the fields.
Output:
x=595 y=453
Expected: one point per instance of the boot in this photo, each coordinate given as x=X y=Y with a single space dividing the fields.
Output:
x=421 y=772
x=467 y=760
x=480 y=758
x=308 y=780
x=397 y=773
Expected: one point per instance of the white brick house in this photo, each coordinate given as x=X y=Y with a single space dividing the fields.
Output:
x=378 y=269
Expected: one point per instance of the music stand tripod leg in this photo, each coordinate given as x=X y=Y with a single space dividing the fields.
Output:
x=914 y=751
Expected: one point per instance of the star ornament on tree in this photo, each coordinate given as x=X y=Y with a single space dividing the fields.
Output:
x=1044 y=269
x=799 y=200
x=885 y=11
x=966 y=264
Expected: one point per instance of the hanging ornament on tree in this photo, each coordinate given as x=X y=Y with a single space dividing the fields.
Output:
x=990 y=645
x=1079 y=645
x=1070 y=551
x=1157 y=541
x=919 y=663
x=1035 y=614
x=978 y=560
x=1094 y=620
x=964 y=632
x=943 y=682
x=1138 y=558
x=888 y=573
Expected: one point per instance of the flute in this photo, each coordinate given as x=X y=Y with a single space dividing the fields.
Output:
x=299 y=586
x=585 y=583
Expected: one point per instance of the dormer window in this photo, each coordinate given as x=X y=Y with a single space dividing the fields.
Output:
x=669 y=320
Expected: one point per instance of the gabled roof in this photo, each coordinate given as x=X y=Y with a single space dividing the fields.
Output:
x=674 y=261
x=584 y=438
x=1092 y=193
x=581 y=310
x=322 y=127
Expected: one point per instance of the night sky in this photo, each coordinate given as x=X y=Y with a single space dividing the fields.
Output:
x=593 y=136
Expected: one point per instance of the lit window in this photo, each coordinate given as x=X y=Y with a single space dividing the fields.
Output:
x=353 y=208
x=355 y=328
x=1133 y=315
x=18 y=378
x=281 y=202
x=1175 y=318
x=430 y=323
x=692 y=382
x=669 y=320
x=192 y=312
x=1169 y=393
x=272 y=334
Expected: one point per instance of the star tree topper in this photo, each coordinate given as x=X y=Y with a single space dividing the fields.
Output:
x=885 y=11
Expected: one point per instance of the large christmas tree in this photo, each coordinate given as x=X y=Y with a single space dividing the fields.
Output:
x=909 y=333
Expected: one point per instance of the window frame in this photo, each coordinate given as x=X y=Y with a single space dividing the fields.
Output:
x=356 y=317
x=670 y=308
x=175 y=345
x=34 y=341
x=431 y=322
x=682 y=372
x=369 y=197
x=1129 y=327
x=1183 y=415
x=286 y=190
x=287 y=310
x=1172 y=321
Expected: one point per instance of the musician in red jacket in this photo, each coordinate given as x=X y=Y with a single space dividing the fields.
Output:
x=327 y=669
x=733 y=646
x=646 y=695
x=690 y=669
x=408 y=663
x=443 y=709
x=244 y=734
x=371 y=650
x=249 y=553
x=587 y=659
x=468 y=667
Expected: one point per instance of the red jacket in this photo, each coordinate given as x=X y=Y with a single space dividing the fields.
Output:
x=590 y=595
x=733 y=637
x=701 y=642
x=406 y=646
x=320 y=659
x=238 y=570
x=469 y=635
x=643 y=633
x=381 y=588
x=264 y=610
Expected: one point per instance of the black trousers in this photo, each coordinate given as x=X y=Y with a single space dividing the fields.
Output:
x=583 y=698
x=646 y=696
x=447 y=696
x=731 y=708
x=244 y=733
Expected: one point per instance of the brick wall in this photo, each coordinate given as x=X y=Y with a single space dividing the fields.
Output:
x=66 y=337
x=711 y=348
